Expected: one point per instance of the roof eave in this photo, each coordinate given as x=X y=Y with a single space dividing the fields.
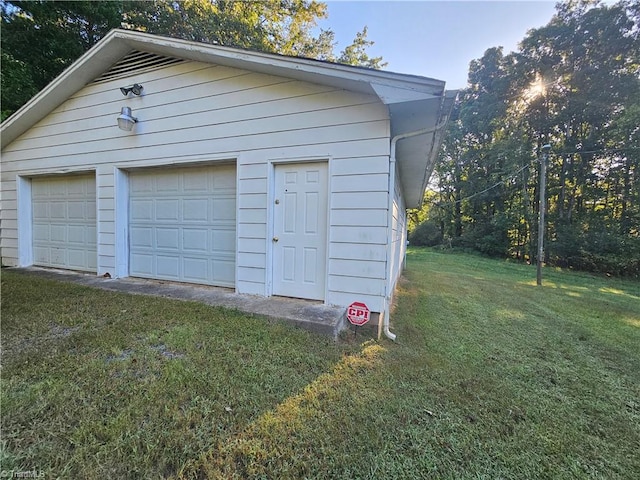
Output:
x=417 y=156
x=390 y=87
x=358 y=78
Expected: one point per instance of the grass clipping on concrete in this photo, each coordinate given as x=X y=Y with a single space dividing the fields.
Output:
x=491 y=377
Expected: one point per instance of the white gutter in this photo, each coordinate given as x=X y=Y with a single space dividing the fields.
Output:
x=392 y=186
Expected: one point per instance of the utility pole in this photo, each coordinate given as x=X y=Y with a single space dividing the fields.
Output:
x=543 y=203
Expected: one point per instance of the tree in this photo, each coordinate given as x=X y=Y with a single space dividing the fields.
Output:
x=41 y=38
x=573 y=83
x=356 y=53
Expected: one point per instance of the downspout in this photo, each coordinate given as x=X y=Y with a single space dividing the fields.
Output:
x=392 y=186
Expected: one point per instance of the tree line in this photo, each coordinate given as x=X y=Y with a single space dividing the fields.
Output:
x=573 y=84
x=41 y=38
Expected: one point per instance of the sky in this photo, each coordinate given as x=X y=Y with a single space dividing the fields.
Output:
x=435 y=39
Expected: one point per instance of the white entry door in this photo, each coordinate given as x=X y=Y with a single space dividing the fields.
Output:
x=300 y=230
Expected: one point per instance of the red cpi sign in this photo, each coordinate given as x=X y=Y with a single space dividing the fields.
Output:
x=358 y=313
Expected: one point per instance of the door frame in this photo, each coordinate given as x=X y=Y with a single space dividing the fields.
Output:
x=271 y=195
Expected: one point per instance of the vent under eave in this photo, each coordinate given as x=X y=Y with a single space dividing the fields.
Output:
x=136 y=62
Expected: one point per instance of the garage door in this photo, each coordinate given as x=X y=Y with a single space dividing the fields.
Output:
x=182 y=225
x=64 y=222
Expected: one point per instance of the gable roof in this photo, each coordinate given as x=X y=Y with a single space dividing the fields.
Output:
x=414 y=102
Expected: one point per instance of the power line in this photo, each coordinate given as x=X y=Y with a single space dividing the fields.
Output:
x=608 y=150
x=501 y=182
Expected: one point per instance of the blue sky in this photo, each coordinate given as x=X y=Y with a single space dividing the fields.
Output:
x=436 y=39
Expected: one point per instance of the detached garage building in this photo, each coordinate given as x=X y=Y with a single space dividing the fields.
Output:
x=267 y=174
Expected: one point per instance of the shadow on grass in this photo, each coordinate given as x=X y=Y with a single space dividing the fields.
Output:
x=281 y=438
x=102 y=384
x=491 y=377
x=544 y=379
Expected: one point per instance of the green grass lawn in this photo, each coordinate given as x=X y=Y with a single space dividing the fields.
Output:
x=491 y=377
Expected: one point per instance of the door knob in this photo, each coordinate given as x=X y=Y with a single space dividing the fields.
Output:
x=275 y=239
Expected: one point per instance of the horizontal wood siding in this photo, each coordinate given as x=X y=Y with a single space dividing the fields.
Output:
x=105 y=189
x=193 y=112
x=398 y=235
x=358 y=231
x=8 y=221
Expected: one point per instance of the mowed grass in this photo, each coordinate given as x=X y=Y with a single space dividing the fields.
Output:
x=490 y=377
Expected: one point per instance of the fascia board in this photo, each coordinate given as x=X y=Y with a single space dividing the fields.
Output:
x=390 y=95
x=445 y=113
x=390 y=87
x=359 y=79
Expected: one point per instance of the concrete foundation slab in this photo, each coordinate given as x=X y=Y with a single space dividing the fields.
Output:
x=310 y=315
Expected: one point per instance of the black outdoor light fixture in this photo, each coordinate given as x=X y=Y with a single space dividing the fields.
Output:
x=136 y=89
x=125 y=120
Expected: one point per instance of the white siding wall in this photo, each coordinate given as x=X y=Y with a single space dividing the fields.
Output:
x=358 y=231
x=399 y=234
x=9 y=220
x=194 y=112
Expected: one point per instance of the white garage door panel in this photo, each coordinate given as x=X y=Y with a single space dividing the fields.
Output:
x=183 y=225
x=64 y=222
